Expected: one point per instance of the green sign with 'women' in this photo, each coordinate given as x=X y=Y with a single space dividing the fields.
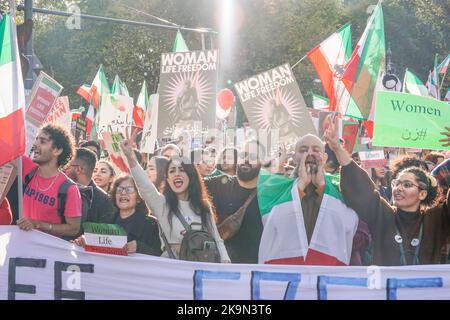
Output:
x=410 y=121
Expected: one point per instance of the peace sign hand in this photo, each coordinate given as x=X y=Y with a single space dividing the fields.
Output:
x=332 y=135
x=127 y=147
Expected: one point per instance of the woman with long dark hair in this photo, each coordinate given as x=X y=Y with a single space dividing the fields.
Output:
x=184 y=192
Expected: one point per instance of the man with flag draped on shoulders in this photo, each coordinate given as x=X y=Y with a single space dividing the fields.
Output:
x=305 y=219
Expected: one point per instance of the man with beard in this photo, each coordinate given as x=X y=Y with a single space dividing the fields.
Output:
x=80 y=170
x=229 y=193
x=52 y=149
x=305 y=220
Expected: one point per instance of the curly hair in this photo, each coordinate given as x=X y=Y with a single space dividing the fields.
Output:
x=405 y=161
x=434 y=157
x=426 y=183
x=62 y=139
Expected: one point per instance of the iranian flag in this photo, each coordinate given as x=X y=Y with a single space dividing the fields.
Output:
x=12 y=94
x=319 y=102
x=85 y=92
x=329 y=58
x=179 y=45
x=105 y=238
x=284 y=239
x=366 y=67
x=141 y=107
x=433 y=81
x=444 y=65
x=98 y=87
x=76 y=113
x=90 y=117
x=119 y=87
x=412 y=84
x=447 y=96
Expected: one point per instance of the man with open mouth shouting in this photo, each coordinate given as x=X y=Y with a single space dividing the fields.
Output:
x=305 y=220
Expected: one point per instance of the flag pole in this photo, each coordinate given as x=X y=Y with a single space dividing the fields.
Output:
x=19 y=165
x=404 y=81
x=20 y=187
x=298 y=62
x=438 y=93
x=442 y=81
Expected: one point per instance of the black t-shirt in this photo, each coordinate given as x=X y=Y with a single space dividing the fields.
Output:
x=228 y=196
x=143 y=229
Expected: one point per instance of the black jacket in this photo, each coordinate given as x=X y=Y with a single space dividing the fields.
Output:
x=102 y=209
x=143 y=229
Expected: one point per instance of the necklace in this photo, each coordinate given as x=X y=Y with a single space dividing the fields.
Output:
x=415 y=243
x=51 y=184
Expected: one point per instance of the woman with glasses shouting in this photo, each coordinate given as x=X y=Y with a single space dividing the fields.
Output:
x=132 y=216
x=413 y=229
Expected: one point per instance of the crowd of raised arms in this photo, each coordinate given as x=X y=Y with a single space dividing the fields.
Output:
x=315 y=204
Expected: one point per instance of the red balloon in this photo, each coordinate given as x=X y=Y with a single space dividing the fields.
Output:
x=225 y=97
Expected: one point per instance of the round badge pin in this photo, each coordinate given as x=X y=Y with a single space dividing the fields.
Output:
x=415 y=242
x=398 y=238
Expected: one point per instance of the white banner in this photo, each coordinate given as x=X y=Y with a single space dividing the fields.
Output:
x=116 y=114
x=150 y=125
x=34 y=265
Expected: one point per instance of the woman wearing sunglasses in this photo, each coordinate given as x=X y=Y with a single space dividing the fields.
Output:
x=413 y=229
x=184 y=193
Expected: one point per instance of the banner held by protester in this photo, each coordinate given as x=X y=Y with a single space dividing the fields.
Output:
x=40 y=103
x=188 y=91
x=272 y=100
x=409 y=121
x=51 y=268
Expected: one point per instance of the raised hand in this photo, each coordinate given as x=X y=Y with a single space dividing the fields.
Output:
x=318 y=179
x=446 y=141
x=127 y=144
x=331 y=135
x=304 y=174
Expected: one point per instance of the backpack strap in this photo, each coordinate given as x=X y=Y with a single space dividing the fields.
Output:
x=28 y=178
x=248 y=201
x=62 y=196
x=182 y=220
x=166 y=243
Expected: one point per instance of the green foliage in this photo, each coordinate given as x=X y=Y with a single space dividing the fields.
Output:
x=267 y=33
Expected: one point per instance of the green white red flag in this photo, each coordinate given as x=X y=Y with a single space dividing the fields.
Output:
x=119 y=87
x=319 y=102
x=179 y=45
x=140 y=108
x=98 y=87
x=433 y=81
x=365 y=67
x=329 y=58
x=12 y=94
x=412 y=84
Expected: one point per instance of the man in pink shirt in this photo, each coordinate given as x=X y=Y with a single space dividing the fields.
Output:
x=53 y=148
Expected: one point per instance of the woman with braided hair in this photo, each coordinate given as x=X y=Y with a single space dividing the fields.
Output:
x=413 y=229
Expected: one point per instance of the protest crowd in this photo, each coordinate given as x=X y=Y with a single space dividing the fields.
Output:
x=315 y=198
